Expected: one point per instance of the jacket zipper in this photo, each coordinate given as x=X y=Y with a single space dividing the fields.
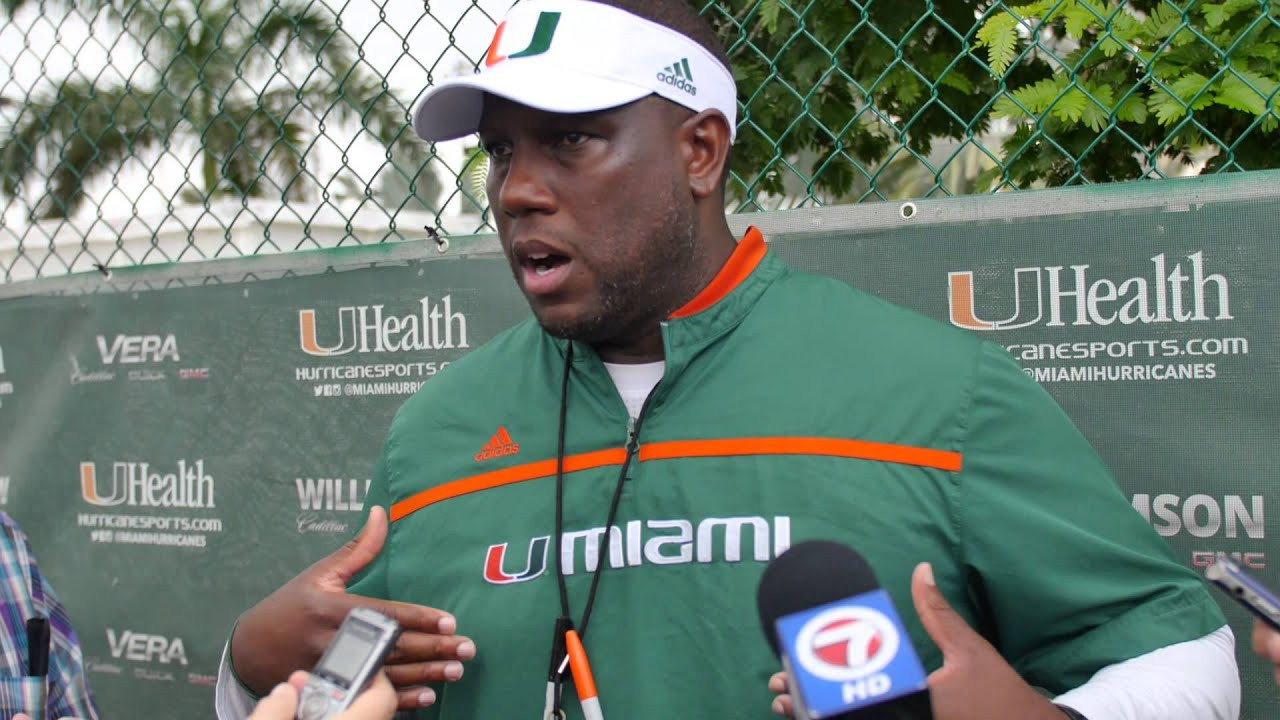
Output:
x=633 y=430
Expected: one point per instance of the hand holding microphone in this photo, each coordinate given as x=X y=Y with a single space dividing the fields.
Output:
x=840 y=639
x=974 y=681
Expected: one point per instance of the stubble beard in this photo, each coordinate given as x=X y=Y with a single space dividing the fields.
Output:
x=646 y=288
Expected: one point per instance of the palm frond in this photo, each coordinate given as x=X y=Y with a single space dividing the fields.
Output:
x=68 y=136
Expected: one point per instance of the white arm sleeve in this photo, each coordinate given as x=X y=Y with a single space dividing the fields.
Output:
x=230 y=701
x=1194 y=680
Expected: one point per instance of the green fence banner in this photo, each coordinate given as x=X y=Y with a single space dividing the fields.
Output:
x=178 y=441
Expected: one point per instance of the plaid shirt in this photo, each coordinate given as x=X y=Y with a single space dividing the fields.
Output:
x=27 y=595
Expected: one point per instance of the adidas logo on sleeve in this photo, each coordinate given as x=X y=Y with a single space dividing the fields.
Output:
x=679 y=75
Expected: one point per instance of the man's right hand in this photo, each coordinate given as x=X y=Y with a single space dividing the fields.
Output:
x=292 y=626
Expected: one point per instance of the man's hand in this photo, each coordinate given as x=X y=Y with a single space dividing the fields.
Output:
x=292 y=626
x=974 y=682
x=1266 y=642
x=377 y=702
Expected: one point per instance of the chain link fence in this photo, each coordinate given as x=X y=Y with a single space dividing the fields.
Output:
x=154 y=131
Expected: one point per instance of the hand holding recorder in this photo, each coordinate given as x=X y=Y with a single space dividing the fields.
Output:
x=348 y=665
x=376 y=703
x=1257 y=599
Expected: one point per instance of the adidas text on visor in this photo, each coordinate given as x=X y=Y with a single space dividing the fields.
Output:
x=576 y=56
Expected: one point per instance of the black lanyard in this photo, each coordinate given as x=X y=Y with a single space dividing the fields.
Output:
x=564 y=623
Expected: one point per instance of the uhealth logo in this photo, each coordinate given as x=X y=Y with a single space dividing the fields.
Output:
x=847 y=643
x=139 y=484
x=368 y=328
x=1071 y=296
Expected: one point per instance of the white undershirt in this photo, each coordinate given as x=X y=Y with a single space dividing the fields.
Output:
x=635 y=382
x=1195 y=680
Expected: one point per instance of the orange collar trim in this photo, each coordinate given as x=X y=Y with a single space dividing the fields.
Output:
x=741 y=264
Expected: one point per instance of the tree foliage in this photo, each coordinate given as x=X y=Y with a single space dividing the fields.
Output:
x=835 y=91
x=1136 y=81
x=841 y=99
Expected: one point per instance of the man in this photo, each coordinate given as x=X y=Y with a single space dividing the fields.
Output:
x=681 y=409
x=27 y=595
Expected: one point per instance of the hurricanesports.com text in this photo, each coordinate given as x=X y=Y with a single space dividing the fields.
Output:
x=1130 y=350
x=1030 y=354
x=393 y=378
x=148 y=529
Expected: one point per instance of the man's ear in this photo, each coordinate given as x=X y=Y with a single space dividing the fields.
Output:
x=705 y=143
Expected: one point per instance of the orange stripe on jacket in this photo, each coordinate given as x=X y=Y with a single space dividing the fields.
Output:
x=833 y=447
x=676 y=449
x=506 y=476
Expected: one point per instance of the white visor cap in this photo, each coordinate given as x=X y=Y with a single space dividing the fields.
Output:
x=576 y=56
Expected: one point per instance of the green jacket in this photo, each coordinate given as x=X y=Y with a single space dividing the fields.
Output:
x=793 y=407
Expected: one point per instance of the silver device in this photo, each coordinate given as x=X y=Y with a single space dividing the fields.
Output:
x=351 y=660
x=1253 y=595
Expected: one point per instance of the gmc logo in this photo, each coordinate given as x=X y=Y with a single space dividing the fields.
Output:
x=1251 y=560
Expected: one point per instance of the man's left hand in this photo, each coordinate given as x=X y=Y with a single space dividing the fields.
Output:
x=974 y=682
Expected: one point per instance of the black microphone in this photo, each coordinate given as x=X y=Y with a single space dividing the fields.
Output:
x=38 y=647
x=839 y=636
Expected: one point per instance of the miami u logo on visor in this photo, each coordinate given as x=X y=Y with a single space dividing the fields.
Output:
x=538 y=44
x=535 y=566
